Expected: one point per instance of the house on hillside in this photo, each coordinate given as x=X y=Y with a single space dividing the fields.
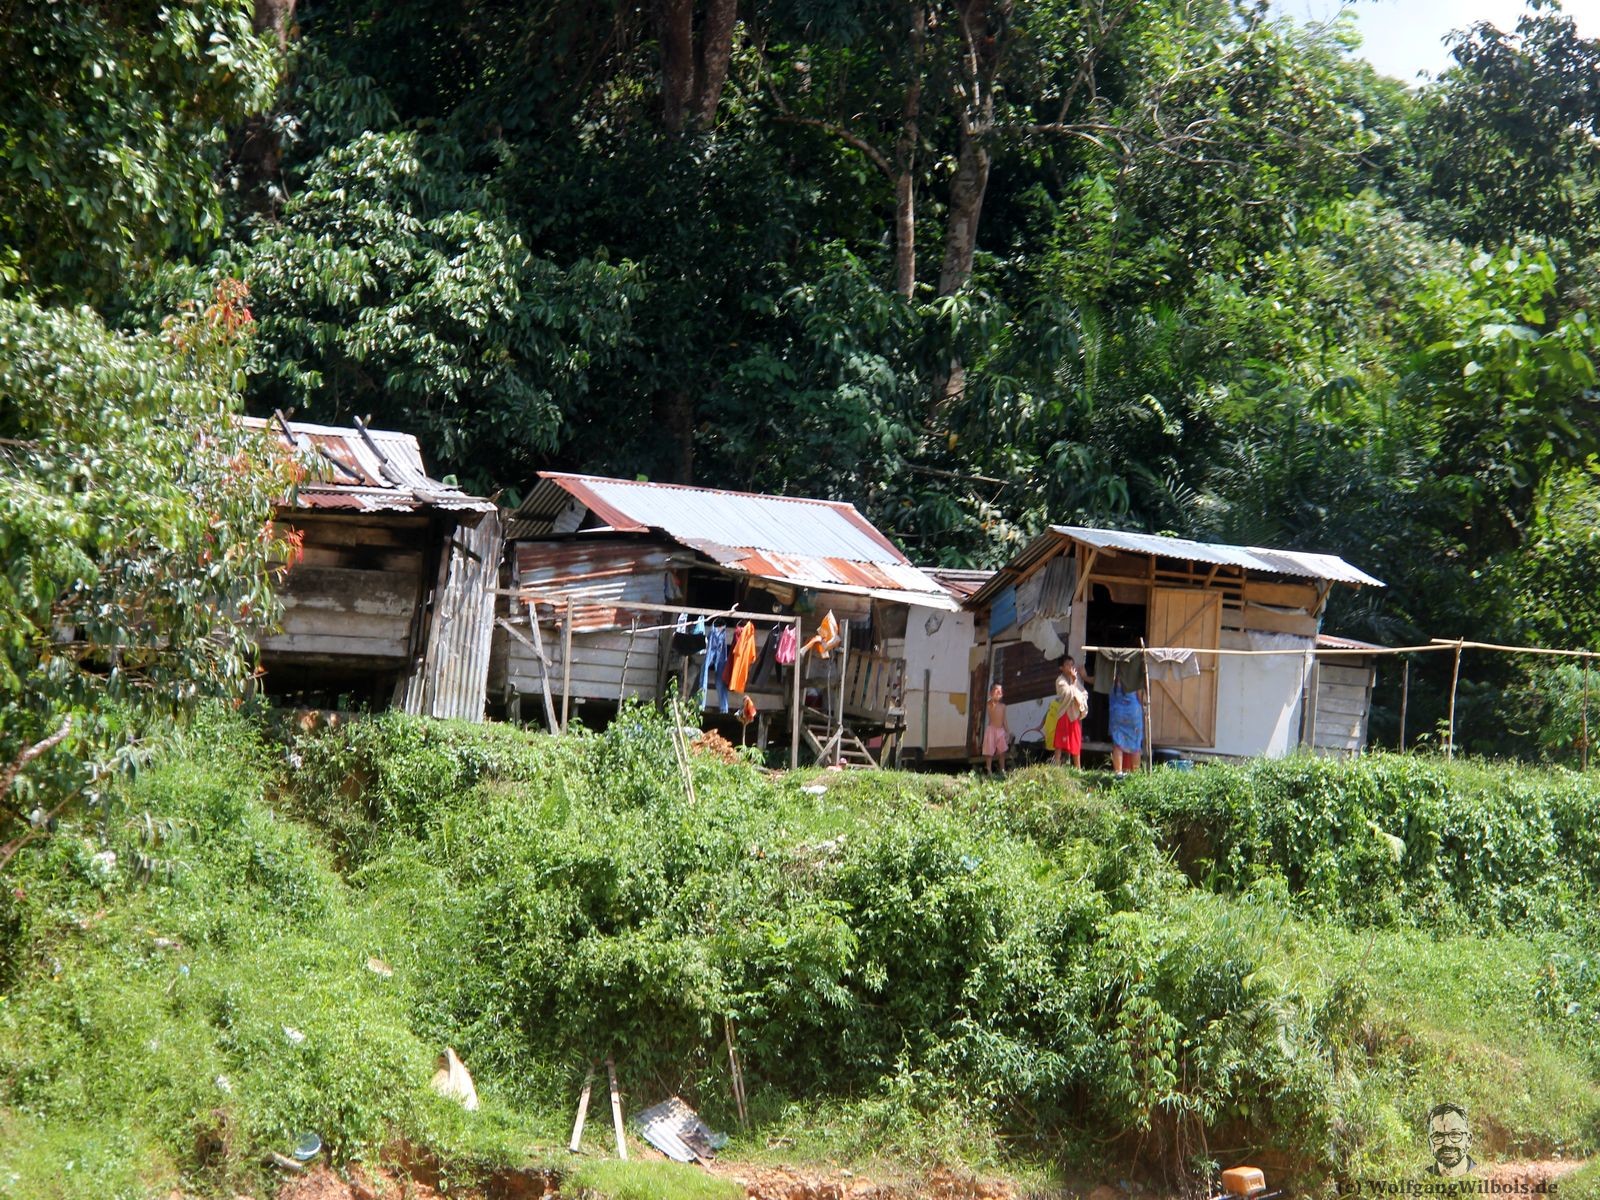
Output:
x=1093 y=591
x=603 y=572
x=390 y=602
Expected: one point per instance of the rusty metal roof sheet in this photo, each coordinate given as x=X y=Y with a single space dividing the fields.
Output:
x=594 y=576
x=365 y=470
x=1250 y=558
x=825 y=545
x=960 y=583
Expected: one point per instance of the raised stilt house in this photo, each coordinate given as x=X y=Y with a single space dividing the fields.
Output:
x=1097 y=593
x=390 y=601
x=616 y=587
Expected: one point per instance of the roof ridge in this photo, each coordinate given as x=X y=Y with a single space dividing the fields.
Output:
x=695 y=487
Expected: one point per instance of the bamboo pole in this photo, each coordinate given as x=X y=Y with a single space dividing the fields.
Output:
x=795 y=702
x=1144 y=663
x=1455 y=680
x=844 y=679
x=1405 y=700
x=1584 y=760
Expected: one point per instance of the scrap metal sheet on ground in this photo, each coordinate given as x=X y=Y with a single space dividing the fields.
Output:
x=676 y=1130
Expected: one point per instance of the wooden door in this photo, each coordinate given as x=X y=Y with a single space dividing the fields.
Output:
x=1183 y=712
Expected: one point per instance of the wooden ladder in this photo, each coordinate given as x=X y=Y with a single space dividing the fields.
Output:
x=832 y=743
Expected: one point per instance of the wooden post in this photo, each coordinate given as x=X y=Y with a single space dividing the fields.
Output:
x=796 y=701
x=1455 y=678
x=1149 y=746
x=616 y=1108
x=1405 y=699
x=736 y=1074
x=566 y=666
x=844 y=673
x=544 y=667
x=927 y=699
x=583 y=1111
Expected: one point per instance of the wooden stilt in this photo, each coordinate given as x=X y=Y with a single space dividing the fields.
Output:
x=616 y=1108
x=583 y=1111
x=566 y=667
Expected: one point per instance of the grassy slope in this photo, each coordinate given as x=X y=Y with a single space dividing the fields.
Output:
x=143 y=1037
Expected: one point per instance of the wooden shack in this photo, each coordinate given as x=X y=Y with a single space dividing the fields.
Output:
x=601 y=571
x=1075 y=589
x=1338 y=702
x=390 y=599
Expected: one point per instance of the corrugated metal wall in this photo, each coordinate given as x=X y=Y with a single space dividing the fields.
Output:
x=454 y=676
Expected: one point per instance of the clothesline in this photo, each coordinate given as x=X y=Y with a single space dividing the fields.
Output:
x=1258 y=653
x=1435 y=644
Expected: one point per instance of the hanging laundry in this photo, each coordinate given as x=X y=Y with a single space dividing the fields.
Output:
x=686 y=641
x=716 y=660
x=1166 y=663
x=744 y=654
x=764 y=660
x=826 y=637
x=786 y=647
x=1119 y=668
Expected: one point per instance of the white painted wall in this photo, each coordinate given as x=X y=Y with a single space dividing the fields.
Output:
x=1258 y=701
x=943 y=651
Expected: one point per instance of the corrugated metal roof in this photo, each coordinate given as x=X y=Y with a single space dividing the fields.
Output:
x=960 y=583
x=371 y=470
x=594 y=576
x=1250 y=558
x=1332 y=641
x=825 y=545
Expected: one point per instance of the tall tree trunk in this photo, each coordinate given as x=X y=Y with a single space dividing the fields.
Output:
x=257 y=151
x=716 y=51
x=905 y=160
x=693 y=68
x=674 y=21
x=983 y=28
x=967 y=188
x=680 y=429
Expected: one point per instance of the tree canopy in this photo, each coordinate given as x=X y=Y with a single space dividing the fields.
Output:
x=974 y=265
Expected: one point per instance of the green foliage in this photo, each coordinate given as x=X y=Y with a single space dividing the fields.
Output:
x=135 y=529
x=1385 y=839
x=113 y=120
x=649 y=1181
x=913 y=966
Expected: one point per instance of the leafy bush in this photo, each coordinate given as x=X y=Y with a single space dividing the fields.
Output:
x=1386 y=839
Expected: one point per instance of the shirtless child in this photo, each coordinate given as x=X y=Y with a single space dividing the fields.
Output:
x=996 y=737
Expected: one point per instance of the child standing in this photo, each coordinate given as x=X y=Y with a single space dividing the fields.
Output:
x=1074 y=700
x=996 y=737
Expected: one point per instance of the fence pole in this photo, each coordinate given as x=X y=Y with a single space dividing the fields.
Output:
x=1405 y=699
x=1455 y=678
x=1585 y=750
